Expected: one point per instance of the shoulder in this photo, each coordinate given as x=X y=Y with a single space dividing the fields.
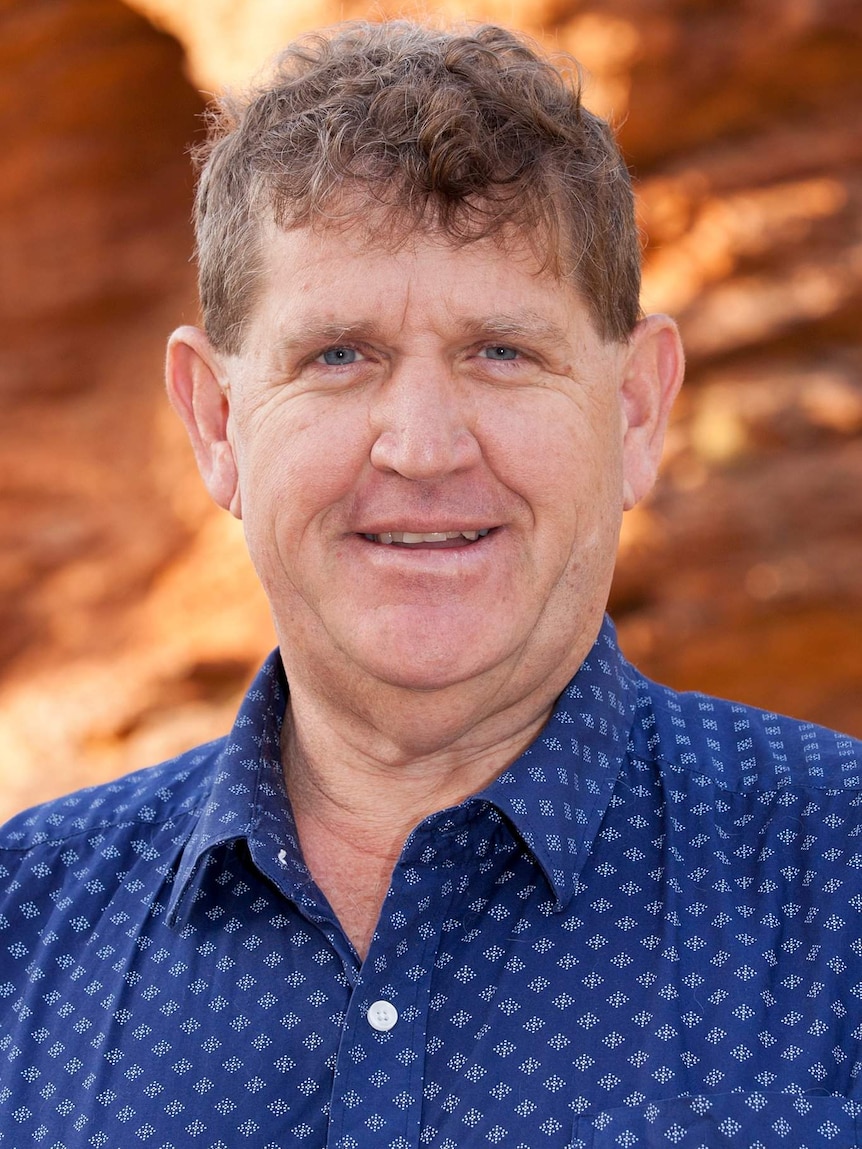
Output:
x=153 y=796
x=741 y=747
x=82 y=866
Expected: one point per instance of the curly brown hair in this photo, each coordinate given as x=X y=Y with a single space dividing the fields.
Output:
x=463 y=133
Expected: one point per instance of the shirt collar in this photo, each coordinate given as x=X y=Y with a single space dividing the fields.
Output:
x=246 y=796
x=555 y=794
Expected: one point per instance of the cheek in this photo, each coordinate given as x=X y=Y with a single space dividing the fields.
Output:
x=300 y=462
x=557 y=454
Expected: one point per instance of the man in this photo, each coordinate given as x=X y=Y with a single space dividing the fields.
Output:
x=459 y=876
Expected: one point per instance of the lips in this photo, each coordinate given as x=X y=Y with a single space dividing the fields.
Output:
x=416 y=538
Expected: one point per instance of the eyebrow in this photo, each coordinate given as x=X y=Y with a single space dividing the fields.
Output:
x=318 y=334
x=528 y=325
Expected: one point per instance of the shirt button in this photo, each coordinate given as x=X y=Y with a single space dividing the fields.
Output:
x=382 y=1015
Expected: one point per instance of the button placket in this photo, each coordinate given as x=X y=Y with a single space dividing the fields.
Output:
x=377 y=1090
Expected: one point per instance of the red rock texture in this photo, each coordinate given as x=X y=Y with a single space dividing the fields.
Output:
x=743 y=575
x=97 y=494
x=129 y=618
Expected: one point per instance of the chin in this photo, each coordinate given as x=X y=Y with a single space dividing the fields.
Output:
x=426 y=664
x=424 y=674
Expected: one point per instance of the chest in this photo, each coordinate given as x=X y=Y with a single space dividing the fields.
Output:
x=483 y=1013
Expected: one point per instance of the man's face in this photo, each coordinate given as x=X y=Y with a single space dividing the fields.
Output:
x=430 y=458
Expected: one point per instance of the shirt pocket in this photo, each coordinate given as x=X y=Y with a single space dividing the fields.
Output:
x=724 y=1121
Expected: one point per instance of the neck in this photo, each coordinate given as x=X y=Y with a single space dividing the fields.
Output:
x=357 y=790
x=425 y=750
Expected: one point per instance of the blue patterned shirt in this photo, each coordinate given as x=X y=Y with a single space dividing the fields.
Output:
x=646 y=932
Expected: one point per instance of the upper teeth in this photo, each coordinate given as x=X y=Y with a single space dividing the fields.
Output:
x=428 y=537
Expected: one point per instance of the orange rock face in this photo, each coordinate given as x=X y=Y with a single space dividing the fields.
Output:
x=129 y=617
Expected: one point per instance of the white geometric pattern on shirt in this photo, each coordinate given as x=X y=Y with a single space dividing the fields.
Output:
x=656 y=947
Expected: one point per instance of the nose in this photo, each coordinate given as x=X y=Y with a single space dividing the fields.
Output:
x=424 y=423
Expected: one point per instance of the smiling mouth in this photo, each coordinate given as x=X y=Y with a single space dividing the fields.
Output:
x=413 y=538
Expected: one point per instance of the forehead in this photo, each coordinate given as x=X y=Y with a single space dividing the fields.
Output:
x=353 y=270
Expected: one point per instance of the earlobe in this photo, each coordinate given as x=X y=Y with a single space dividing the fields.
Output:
x=652 y=377
x=198 y=396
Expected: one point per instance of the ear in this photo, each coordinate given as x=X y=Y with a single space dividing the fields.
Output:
x=194 y=378
x=652 y=377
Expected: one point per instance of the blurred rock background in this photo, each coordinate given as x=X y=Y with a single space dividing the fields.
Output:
x=130 y=621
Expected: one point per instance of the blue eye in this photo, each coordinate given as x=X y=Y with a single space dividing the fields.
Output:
x=500 y=353
x=339 y=356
